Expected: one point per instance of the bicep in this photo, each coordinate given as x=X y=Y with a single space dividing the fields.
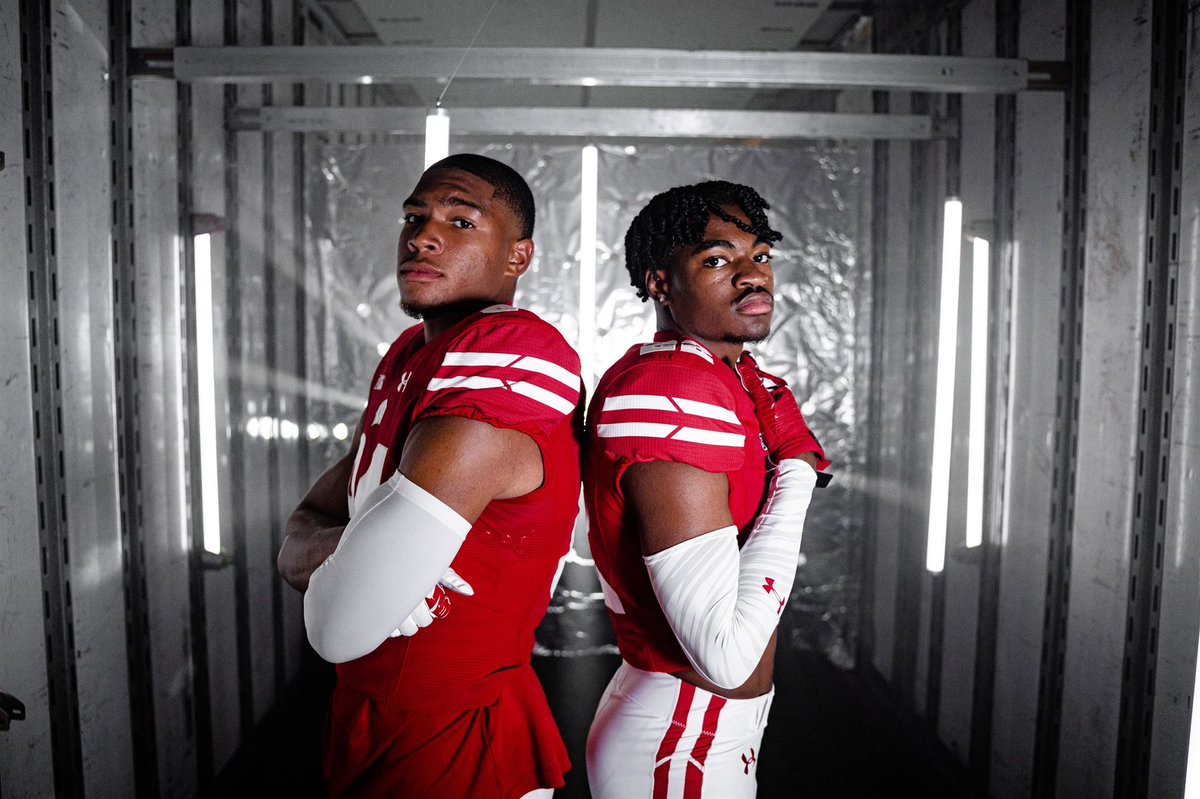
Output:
x=674 y=502
x=467 y=463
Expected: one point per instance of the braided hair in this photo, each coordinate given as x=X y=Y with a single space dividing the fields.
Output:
x=677 y=217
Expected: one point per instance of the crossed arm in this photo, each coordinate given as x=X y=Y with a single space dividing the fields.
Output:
x=391 y=555
x=716 y=597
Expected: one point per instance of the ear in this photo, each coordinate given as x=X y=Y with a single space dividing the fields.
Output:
x=519 y=258
x=657 y=286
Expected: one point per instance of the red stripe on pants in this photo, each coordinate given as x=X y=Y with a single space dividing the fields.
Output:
x=662 y=760
x=695 y=767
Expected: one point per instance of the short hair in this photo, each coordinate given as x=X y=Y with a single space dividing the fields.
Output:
x=511 y=189
x=678 y=217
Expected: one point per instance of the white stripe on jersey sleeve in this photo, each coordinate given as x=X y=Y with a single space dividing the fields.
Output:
x=628 y=429
x=464 y=381
x=543 y=396
x=656 y=402
x=626 y=402
x=475 y=382
x=478 y=359
x=507 y=360
x=707 y=410
x=698 y=436
x=692 y=435
x=551 y=370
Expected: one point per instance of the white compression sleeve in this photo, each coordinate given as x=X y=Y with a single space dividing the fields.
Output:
x=389 y=557
x=724 y=604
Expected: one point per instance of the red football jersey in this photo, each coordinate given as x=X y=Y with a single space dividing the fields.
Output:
x=667 y=401
x=508 y=368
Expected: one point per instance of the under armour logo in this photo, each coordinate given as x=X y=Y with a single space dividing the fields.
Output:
x=749 y=761
x=403 y=381
x=769 y=587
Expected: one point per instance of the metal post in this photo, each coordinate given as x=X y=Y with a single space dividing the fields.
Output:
x=201 y=699
x=270 y=277
x=1156 y=401
x=125 y=313
x=979 y=758
x=46 y=397
x=233 y=343
x=1058 y=568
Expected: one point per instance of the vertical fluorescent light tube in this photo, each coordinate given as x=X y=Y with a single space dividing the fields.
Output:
x=1191 y=780
x=437 y=135
x=980 y=257
x=587 y=264
x=207 y=402
x=943 y=414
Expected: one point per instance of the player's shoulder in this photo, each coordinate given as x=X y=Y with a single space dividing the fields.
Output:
x=503 y=328
x=663 y=403
x=680 y=368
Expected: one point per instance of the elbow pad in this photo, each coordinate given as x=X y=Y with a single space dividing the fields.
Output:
x=723 y=604
x=389 y=557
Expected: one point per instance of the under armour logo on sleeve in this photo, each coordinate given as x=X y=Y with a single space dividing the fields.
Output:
x=769 y=587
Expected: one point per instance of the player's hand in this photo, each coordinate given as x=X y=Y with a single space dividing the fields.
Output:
x=436 y=604
x=784 y=430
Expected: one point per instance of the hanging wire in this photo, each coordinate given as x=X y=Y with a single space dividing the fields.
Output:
x=478 y=31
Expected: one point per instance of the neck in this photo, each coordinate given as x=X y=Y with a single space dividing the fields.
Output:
x=441 y=319
x=728 y=352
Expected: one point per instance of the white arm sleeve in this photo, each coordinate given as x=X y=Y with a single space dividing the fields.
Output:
x=389 y=557
x=723 y=604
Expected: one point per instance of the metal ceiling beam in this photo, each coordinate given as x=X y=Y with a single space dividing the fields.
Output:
x=592 y=67
x=626 y=123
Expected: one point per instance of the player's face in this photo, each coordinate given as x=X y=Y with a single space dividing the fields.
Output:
x=458 y=245
x=719 y=291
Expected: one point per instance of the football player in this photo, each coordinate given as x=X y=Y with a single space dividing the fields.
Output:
x=464 y=469
x=698 y=474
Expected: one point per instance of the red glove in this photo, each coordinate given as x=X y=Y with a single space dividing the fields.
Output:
x=784 y=430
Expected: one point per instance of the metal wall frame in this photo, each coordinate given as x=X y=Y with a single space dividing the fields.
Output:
x=890 y=287
x=296 y=641
x=125 y=340
x=46 y=396
x=592 y=123
x=207 y=196
x=595 y=67
x=1156 y=401
x=89 y=395
x=946 y=38
x=1110 y=337
x=26 y=750
x=273 y=409
x=874 y=503
x=201 y=705
x=1179 y=614
x=910 y=667
x=236 y=398
x=979 y=755
x=1034 y=262
x=1058 y=573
